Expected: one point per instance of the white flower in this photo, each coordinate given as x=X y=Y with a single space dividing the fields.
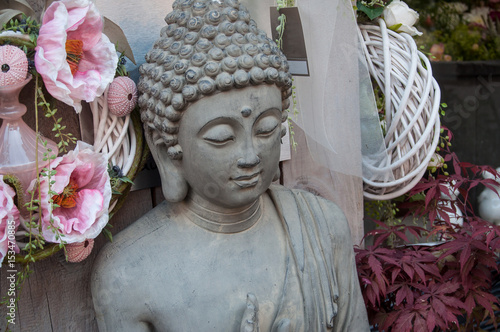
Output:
x=478 y=16
x=436 y=161
x=398 y=12
x=458 y=7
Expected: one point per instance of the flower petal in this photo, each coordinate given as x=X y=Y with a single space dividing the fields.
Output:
x=88 y=217
x=80 y=20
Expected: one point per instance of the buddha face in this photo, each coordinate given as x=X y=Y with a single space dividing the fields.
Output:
x=231 y=145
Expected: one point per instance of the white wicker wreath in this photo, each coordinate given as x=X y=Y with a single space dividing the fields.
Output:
x=412 y=98
x=114 y=136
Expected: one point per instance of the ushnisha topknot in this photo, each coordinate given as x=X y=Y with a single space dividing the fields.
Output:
x=207 y=47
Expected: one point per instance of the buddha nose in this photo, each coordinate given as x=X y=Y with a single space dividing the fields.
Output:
x=251 y=159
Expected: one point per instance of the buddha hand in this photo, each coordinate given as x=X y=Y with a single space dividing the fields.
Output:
x=250 y=321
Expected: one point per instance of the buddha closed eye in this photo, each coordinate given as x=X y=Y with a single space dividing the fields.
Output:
x=222 y=131
x=219 y=134
x=230 y=145
x=267 y=125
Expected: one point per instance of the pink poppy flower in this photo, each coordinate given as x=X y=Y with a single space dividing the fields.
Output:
x=9 y=219
x=75 y=59
x=82 y=191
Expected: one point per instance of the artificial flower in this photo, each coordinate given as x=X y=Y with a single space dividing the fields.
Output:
x=9 y=218
x=75 y=59
x=82 y=191
x=437 y=51
x=457 y=7
x=478 y=16
x=436 y=161
x=398 y=13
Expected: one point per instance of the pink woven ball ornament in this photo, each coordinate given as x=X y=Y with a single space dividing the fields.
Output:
x=77 y=252
x=13 y=65
x=122 y=96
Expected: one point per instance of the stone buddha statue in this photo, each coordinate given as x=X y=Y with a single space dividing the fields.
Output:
x=227 y=250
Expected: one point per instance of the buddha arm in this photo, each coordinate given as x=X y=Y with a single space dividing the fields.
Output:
x=117 y=303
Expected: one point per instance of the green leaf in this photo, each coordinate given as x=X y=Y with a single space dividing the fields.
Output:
x=395 y=27
x=108 y=234
x=372 y=13
x=126 y=180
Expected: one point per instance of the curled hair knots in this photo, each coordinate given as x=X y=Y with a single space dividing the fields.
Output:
x=186 y=51
x=177 y=83
x=179 y=33
x=175 y=152
x=181 y=66
x=169 y=61
x=166 y=77
x=241 y=27
x=206 y=85
x=175 y=47
x=221 y=41
x=224 y=81
x=172 y=114
x=229 y=65
x=257 y=75
x=169 y=127
x=237 y=39
x=241 y=78
x=191 y=37
x=166 y=96
x=156 y=89
x=200 y=8
x=178 y=102
x=230 y=13
x=208 y=31
x=213 y=17
x=183 y=18
x=245 y=61
x=198 y=59
x=216 y=54
x=203 y=45
x=207 y=47
x=190 y=92
x=195 y=23
x=232 y=3
x=250 y=49
x=193 y=74
x=233 y=51
x=164 y=43
x=227 y=28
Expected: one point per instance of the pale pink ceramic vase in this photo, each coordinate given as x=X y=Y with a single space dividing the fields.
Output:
x=18 y=152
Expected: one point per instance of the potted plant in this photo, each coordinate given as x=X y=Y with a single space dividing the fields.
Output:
x=445 y=284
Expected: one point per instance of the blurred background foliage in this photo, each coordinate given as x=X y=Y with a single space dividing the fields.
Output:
x=459 y=31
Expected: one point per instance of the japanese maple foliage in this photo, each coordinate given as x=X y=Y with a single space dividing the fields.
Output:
x=445 y=286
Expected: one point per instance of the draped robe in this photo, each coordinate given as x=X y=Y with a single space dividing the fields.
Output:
x=320 y=243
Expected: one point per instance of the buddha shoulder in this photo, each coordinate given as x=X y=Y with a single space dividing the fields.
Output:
x=318 y=209
x=127 y=244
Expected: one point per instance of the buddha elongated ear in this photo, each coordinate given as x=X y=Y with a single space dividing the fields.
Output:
x=173 y=183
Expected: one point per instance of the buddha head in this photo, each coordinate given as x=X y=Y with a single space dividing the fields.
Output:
x=215 y=91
